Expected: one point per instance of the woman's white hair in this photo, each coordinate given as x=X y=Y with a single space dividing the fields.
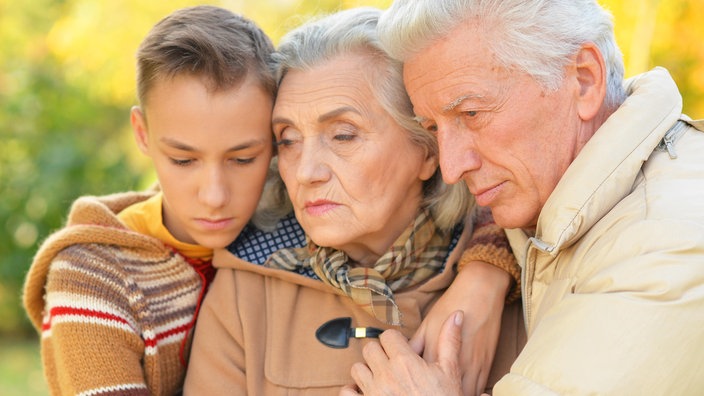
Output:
x=355 y=31
x=537 y=36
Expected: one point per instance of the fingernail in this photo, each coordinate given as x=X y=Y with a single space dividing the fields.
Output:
x=459 y=317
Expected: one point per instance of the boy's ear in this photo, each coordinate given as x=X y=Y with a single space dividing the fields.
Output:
x=139 y=127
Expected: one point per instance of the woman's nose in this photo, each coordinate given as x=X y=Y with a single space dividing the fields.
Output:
x=312 y=166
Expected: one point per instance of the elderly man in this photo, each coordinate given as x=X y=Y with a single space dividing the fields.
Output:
x=600 y=183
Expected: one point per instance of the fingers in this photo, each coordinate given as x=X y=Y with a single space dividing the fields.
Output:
x=480 y=384
x=362 y=376
x=375 y=357
x=450 y=343
x=349 y=390
x=393 y=367
x=382 y=357
x=417 y=342
x=395 y=345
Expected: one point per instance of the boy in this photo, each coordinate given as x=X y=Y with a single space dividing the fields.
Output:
x=116 y=292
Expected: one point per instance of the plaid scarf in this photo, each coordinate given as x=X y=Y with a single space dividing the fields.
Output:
x=418 y=254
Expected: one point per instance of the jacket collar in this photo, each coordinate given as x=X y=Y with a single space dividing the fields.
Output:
x=606 y=168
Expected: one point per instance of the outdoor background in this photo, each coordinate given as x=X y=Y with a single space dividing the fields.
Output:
x=67 y=83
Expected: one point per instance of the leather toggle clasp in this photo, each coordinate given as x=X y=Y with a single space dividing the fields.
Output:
x=336 y=333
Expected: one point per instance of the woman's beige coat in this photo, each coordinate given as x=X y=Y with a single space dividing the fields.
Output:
x=613 y=282
x=256 y=331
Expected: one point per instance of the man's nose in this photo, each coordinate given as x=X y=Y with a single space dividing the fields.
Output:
x=457 y=154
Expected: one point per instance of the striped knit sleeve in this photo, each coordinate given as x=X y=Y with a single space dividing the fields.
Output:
x=91 y=344
x=490 y=244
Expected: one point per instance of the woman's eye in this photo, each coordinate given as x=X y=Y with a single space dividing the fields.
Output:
x=284 y=142
x=287 y=137
x=180 y=162
x=344 y=137
x=343 y=131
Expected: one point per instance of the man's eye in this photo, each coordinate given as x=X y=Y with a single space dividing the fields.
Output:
x=470 y=113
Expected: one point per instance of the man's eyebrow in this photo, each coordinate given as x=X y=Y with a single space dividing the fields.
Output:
x=451 y=106
x=184 y=147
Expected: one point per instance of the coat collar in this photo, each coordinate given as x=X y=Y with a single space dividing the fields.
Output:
x=606 y=168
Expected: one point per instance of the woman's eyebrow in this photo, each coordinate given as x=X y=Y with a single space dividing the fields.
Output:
x=337 y=112
x=322 y=118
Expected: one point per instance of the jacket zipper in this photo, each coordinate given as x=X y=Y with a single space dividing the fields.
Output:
x=668 y=141
x=527 y=276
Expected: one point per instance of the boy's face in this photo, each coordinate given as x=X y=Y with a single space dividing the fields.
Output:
x=211 y=151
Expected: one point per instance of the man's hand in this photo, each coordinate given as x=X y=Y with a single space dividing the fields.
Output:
x=394 y=368
x=479 y=290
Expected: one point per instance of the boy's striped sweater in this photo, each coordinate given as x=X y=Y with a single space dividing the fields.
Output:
x=115 y=308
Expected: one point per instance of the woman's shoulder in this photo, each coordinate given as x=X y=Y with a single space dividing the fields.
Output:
x=255 y=245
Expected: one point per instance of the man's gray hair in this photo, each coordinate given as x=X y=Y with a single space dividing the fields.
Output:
x=538 y=36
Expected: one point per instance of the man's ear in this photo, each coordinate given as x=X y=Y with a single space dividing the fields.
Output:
x=139 y=127
x=591 y=77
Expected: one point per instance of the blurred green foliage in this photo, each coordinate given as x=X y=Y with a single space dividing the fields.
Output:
x=57 y=143
x=67 y=83
x=21 y=369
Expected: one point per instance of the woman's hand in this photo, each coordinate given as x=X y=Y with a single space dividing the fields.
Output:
x=393 y=368
x=479 y=290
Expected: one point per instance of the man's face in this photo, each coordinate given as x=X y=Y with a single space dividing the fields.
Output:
x=498 y=130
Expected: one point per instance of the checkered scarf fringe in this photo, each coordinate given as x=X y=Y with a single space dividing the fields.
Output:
x=416 y=255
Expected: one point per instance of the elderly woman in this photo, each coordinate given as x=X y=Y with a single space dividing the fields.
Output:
x=383 y=231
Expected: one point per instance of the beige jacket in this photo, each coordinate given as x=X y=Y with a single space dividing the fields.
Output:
x=613 y=281
x=256 y=331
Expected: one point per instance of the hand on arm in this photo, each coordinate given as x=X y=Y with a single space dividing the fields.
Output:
x=394 y=368
x=479 y=291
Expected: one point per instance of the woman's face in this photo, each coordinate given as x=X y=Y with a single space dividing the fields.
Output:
x=353 y=175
